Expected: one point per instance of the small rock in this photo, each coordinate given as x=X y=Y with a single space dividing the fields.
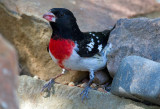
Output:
x=102 y=77
x=79 y=85
x=71 y=84
x=102 y=86
x=66 y=83
x=45 y=94
x=138 y=78
x=36 y=77
x=102 y=90
x=94 y=86
x=83 y=85
x=106 y=87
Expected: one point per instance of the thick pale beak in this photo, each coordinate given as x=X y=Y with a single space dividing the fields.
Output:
x=50 y=17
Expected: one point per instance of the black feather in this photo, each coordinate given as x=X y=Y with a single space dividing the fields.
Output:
x=99 y=38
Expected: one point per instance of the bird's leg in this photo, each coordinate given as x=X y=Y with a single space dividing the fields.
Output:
x=51 y=81
x=84 y=93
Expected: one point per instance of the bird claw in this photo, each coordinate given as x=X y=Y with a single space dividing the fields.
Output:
x=48 y=85
x=84 y=93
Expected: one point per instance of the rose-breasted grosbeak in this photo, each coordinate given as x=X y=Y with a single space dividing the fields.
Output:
x=72 y=49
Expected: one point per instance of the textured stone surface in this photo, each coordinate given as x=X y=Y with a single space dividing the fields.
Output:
x=8 y=76
x=102 y=77
x=138 y=78
x=65 y=97
x=139 y=36
x=31 y=38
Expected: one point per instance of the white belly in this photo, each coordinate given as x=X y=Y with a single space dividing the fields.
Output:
x=75 y=62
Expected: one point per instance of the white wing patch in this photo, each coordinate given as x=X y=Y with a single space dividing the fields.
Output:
x=92 y=40
x=93 y=34
x=100 y=47
x=89 y=49
x=90 y=46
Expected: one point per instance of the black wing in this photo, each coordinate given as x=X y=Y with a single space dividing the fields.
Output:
x=93 y=43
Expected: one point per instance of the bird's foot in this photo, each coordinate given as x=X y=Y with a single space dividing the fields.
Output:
x=84 y=93
x=48 y=85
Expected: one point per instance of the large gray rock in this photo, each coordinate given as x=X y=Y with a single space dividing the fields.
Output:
x=138 y=78
x=65 y=97
x=138 y=36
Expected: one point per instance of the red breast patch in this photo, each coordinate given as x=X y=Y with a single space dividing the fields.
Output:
x=61 y=49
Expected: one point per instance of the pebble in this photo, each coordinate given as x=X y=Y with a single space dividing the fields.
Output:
x=71 y=84
x=36 y=77
x=94 y=86
x=45 y=94
x=79 y=85
x=102 y=90
x=83 y=85
x=66 y=83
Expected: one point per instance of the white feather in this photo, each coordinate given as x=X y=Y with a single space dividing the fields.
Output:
x=100 y=47
x=75 y=62
x=90 y=46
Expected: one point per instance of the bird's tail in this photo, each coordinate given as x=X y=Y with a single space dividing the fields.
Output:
x=108 y=47
x=107 y=32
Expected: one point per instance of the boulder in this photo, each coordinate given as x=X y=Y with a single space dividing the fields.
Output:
x=102 y=77
x=8 y=76
x=138 y=36
x=65 y=97
x=138 y=78
x=31 y=36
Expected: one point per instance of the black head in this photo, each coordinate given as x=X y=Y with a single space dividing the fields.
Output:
x=62 y=21
x=60 y=16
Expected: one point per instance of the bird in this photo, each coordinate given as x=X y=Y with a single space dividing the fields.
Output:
x=73 y=49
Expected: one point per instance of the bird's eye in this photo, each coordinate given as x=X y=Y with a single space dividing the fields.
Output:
x=62 y=14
